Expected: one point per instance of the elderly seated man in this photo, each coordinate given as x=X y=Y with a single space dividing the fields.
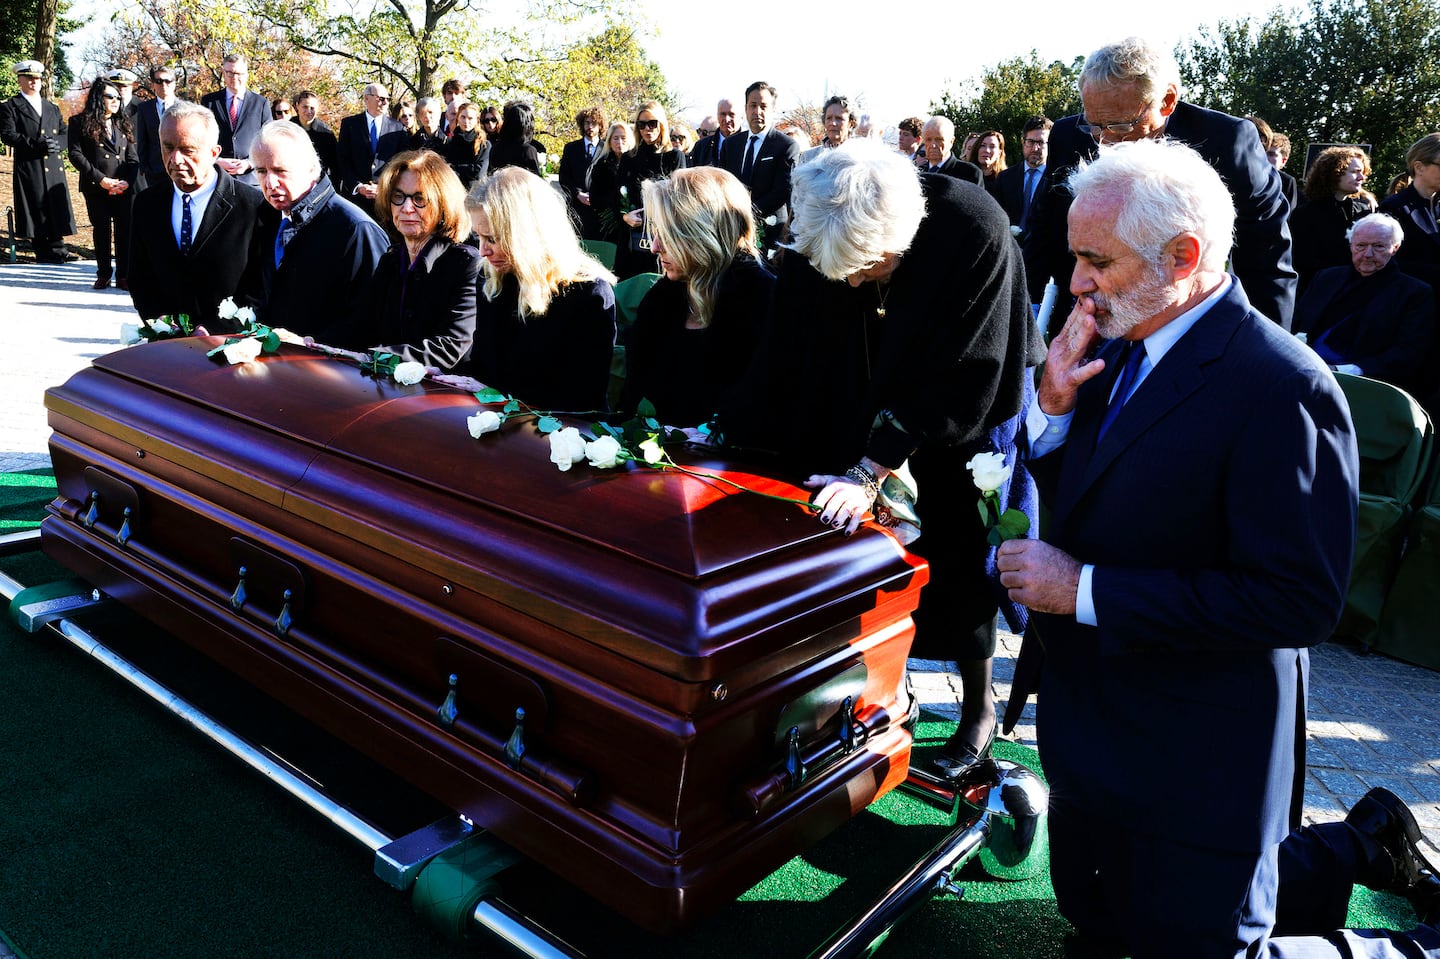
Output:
x=1369 y=318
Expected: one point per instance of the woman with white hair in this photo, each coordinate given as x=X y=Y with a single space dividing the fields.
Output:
x=696 y=330
x=901 y=333
x=545 y=317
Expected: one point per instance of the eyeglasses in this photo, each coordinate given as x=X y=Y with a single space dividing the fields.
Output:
x=111 y=96
x=418 y=199
x=677 y=138
x=646 y=124
x=1118 y=129
x=1034 y=143
x=378 y=97
x=236 y=73
x=283 y=112
x=164 y=81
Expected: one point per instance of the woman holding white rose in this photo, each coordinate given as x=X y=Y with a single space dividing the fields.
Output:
x=900 y=333
x=653 y=157
x=545 y=316
x=603 y=186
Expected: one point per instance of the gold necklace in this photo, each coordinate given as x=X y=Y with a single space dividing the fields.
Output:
x=882 y=292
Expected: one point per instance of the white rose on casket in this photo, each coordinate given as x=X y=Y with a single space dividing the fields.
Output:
x=603 y=453
x=409 y=373
x=227 y=309
x=989 y=471
x=242 y=351
x=129 y=334
x=652 y=451
x=486 y=421
x=160 y=326
x=567 y=447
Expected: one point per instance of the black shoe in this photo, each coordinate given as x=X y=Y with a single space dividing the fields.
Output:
x=957 y=755
x=1425 y=897
x=1382 y=817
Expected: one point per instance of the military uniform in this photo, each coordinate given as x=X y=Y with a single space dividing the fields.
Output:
x=42 y=201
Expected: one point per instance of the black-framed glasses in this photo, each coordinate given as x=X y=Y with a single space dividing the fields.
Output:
x=647 y=124
x=489 y=121
x=111 y=96
x=418 y=200
x=1116 y=129
x=1034 y=143
x=164 y=81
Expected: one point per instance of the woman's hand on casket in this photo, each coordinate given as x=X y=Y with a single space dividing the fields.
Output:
x=842 y=502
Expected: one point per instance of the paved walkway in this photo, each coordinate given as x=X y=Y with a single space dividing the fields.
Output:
x=1374 y=721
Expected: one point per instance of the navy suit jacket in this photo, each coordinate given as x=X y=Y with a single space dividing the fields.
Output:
x=164 y=281
x=704 y=153
x=1261 y=255
x=958 y=168
x=1219 y=510
x=1384 y=324
x=235 y=141
x=769 y=180
x=147 y=143
x=355 y=162
x=1010 y=185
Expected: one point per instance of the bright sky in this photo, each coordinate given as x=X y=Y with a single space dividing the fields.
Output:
x=895 y=56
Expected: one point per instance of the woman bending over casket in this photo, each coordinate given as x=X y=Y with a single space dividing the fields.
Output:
x=545 y=317
x=901 y=332
x=425 y=284
x=696 y=330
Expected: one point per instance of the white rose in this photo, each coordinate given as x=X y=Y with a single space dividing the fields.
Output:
x=409 y=373
x=242 y=351
x=771 y=220
x=485 y=421
x=566 y=447
x=1016 y=231
x=603 y=453
x=227 y=309
x=624 y=193
x=652 y=451
x=245 y=316
x=129 y=334
x=989 y=470
x=160 y=326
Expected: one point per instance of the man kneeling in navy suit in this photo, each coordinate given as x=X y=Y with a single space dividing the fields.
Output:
x=1201 y=476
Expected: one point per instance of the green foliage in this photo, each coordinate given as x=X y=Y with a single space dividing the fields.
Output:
x=1340 y=71
x=17 y=42
x=1008 y=94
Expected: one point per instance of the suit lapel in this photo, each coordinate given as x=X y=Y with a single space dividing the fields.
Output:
x=219 y=207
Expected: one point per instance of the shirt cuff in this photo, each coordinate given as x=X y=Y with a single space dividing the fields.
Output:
x=1047 y=433
x=1084 y=598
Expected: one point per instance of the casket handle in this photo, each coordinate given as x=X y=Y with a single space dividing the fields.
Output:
x=515 y=745
x=123 y=535
x=794 y=764
x=238 y=597
x=284 y=621
x=448 y=711
x=92 y=515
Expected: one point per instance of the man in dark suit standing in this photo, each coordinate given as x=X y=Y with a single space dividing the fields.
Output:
x=367 y=140
x=1202 y=480
x=1019 y=183
x=317 y=252
x=32 y=127
x=763 y=161
x=706 y=151
x=1131 y=91
x=240 y=113
x=193 y=231
x=937 y=139
x=147 y=127
x=575 y=162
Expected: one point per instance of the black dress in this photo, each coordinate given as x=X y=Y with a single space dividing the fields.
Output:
x=948 y=367
x=606 y=201
x=643 y=163
x=460 y=153
x=426 y=311
x=559 y=361
x=688 y=374
x=434 y=142
x=1317 y=233
x=505 y=153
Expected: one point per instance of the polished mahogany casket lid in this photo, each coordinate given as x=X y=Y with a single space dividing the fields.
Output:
x=706 y=679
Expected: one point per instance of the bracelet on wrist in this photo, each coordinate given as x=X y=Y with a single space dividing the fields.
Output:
x=863 y=477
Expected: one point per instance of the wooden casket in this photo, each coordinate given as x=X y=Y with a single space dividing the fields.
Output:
x=657 y=686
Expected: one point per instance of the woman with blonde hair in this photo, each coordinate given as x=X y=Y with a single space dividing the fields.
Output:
x=699 y=325
x=653 y=157
x=424 y=286
x=602 y=186
x=545 y=316
x=1335 y=198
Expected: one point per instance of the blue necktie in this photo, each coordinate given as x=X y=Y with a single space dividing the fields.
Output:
x=749 y=165
x=374 y=137
x=1031 y=175
x=282 y=237
x=186 y=228
x=1134 y=356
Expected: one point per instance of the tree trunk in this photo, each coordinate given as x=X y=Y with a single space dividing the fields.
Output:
x=46 y=12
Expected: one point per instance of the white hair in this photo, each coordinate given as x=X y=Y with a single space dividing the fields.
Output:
x=1132 y=60
x=943 y=124
x=1164 y=189
x=853 y=205
x=1384 y=221
x=278 y=131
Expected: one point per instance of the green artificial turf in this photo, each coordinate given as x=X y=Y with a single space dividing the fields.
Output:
x=124 y=833
x=23 y=497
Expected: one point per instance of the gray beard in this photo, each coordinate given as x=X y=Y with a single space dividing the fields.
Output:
x=1127 y=310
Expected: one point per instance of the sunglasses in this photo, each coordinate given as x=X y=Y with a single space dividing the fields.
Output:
x=647 y=124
